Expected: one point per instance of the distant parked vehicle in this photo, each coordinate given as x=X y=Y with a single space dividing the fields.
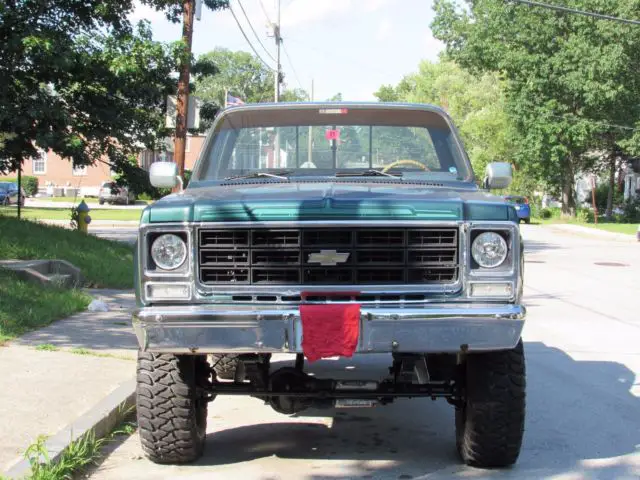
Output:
x=9 y=194
x=522 y=207
x=112 y=193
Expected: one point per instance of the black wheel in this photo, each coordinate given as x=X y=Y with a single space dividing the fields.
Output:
x=6 y=202
x=101 y=201
x=490 y=424
x=527 y=221
x=172 y=410
x=225 y=364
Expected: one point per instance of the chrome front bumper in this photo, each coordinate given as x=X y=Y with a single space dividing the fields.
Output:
x=245 y=329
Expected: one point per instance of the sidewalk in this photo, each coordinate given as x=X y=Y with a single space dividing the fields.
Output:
x=593 y=232
x=43 y=391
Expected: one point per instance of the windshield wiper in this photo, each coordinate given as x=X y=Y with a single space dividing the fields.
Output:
x=281 y=175
x=368 y=173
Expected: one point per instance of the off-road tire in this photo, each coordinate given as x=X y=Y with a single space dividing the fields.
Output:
x=490 y=424
x=172 y=412
x=225 y=364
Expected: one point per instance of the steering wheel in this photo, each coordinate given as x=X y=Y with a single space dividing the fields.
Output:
x=397 y=163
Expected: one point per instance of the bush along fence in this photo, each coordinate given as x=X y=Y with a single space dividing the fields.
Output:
x=30 y=184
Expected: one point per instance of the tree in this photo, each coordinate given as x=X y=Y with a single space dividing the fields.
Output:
x=475 y=102
x=567 y=77
x=244 y=76
x=78 y=79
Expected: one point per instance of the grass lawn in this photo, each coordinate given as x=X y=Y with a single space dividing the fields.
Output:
x=104 y=264
x=26 y=306
x=35 y=213
x=626 y=228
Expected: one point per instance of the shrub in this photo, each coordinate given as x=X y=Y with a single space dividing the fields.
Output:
x=30 y=184
x=585 y=215
x=631 y=211
x=602 y=192
x=545 y=213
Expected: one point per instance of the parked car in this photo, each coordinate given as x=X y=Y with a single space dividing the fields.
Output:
x=111 y=193
x=521 y=204
x=303 y=253
x=9 y=194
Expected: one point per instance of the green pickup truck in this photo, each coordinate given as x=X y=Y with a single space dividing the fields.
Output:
x=322 y=231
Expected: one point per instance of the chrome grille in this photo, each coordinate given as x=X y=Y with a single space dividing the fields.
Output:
x=361 y=256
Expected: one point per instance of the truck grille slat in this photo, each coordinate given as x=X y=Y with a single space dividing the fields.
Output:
x=326 y=256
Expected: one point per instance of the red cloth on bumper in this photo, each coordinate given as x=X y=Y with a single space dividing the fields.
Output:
x=329 y=330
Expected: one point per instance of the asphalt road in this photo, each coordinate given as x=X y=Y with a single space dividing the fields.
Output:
x=582 y=342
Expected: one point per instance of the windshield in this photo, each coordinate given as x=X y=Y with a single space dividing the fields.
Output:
x=307 y=142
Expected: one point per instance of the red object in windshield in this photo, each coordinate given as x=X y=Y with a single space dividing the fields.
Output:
x=332 y=134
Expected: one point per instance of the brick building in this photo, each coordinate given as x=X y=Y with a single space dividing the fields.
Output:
x=54 y=171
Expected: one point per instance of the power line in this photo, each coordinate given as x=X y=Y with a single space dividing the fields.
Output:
x=295 y=74
x=559 y=8
x=254 y=31
x=249 y=41
x=266 y=14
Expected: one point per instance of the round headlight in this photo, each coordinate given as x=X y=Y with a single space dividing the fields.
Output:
x=168 y=251
x=489 y=249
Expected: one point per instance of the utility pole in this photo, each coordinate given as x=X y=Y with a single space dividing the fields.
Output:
x=182 y=100
x=278 y=38
x=310 y=129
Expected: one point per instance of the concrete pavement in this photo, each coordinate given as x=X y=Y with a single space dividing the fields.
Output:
x=583 y=418
x=43 y=391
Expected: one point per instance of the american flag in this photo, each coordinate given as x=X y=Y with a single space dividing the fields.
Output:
x=232 y=101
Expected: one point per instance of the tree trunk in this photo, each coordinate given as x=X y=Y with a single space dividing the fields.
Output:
x=612 y=185
x=568 y=194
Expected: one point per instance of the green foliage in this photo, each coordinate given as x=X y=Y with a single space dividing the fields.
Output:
x=602 y=192
x=47 y=347
x=631 y=211
x=29 y=183
x=243 y=75
x=26 y=306
x=104 y=264
x=78 y=455
x=475 y=102
x=82 y=81
x=568 y=80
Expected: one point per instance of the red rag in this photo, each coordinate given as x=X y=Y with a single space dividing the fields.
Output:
x=329 y=330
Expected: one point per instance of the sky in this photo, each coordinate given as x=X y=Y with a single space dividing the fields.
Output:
x=346 y=46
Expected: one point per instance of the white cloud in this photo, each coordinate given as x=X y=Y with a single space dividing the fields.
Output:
x=384 y=30
x=373 y=5
x=307 y=11
x=433 y=46
x=145 y=12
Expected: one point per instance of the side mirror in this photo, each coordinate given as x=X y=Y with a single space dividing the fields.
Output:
x=164 y=174
x=498 y=175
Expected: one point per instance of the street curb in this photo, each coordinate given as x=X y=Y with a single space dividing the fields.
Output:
x=101 y=420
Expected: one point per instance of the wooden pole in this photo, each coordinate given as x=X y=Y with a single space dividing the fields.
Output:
x=182 y=101
x=593 y=199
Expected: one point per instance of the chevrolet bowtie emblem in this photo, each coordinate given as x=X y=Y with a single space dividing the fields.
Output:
x=328 y=257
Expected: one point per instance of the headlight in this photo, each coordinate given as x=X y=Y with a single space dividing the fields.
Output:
x=168 y=251
x=489 y=249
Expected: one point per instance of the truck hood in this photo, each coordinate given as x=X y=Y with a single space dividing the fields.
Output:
x=298 y=201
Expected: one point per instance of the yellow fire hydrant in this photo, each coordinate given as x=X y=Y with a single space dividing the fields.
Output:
x=83 y=217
